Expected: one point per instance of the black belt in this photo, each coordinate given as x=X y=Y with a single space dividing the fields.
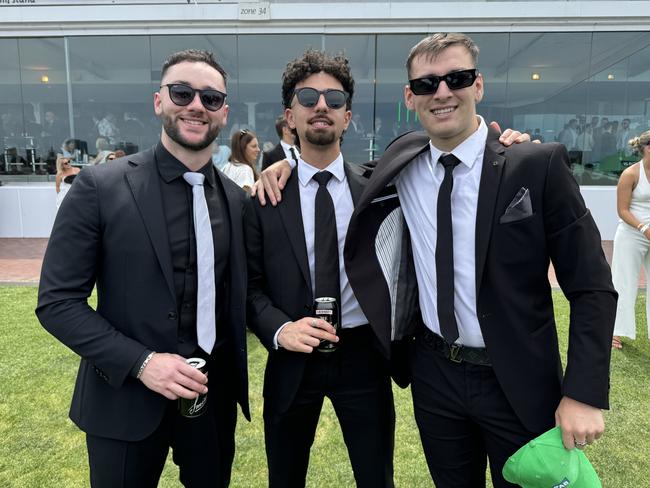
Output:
x=456 y=352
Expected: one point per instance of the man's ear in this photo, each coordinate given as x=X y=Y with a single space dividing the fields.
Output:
x=288 y=114
x=157 y=102
x=408 y=98
x=478 y=87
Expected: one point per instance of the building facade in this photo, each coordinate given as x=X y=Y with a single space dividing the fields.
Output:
x=79 y=76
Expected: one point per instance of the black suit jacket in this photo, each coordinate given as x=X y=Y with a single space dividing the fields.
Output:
x=111 y=232
x=279 y=283
x=514 y=302
x=273 y=156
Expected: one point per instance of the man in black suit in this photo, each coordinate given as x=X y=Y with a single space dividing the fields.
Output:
x=479 y=229
x=285 y=149
x=128 y=228
x=295 y=257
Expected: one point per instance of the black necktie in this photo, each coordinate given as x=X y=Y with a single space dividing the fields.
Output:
x=445 y=252
x=293 y=154
x=326 y=247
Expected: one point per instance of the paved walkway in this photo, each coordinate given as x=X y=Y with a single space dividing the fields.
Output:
x=20 y=261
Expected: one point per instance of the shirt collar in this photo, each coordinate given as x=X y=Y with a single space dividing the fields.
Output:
x=285 y=146
x=467 y=151
x=171 y=168
x=306 y=171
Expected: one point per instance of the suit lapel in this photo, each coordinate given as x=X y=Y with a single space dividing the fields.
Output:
x=493 y=163
x=145 y=185
x=291 y=216
x=401 y=152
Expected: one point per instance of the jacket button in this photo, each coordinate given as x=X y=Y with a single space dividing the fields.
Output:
x=172 y=315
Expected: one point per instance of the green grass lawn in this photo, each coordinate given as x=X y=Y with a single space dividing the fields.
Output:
x=40 y=447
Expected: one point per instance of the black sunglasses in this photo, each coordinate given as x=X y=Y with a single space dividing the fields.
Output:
x=183 y=95
x=308 y=97
x=455 y=81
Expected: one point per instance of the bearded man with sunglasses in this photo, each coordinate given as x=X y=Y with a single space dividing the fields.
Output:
x=165 y=293
x=482 y=221
x=294 y=256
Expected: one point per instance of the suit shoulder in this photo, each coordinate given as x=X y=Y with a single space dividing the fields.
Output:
x=415 y=137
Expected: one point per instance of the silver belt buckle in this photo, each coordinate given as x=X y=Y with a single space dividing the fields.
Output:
x=454 y=353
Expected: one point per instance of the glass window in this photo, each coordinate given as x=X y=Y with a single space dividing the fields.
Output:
x=11 y=110
x=392 y=51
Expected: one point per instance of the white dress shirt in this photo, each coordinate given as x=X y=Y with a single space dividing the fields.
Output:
x=287 y=151
x=351 y=313
x=417 y=186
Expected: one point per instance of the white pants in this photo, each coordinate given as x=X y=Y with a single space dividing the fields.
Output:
x=630 y=253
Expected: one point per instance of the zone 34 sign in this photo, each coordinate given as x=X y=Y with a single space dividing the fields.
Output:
x=254 y=11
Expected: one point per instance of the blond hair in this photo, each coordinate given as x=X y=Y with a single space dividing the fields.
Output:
x=59 y=162
x=638 y=142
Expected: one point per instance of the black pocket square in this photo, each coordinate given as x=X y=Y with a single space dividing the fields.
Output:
x=520 y=207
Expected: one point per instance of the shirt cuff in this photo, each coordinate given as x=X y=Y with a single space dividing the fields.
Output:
x=277 y=333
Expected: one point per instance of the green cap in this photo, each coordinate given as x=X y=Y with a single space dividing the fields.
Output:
x=545 y=463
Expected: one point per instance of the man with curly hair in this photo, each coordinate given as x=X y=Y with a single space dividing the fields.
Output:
x=294 y=256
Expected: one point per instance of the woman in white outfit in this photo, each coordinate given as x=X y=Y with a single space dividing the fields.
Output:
x=241 y=165
x=632 y=239
x=65 y=173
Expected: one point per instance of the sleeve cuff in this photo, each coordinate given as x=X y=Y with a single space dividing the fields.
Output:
x=136 y=367
x=277 y=346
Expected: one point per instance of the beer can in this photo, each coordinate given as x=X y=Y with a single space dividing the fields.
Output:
x=326 y=308
x=198 y=406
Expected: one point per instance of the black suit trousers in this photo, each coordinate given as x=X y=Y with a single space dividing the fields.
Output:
x=203 y=447
x=355 y=378
x=463 y=417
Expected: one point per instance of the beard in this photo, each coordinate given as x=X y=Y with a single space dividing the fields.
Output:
x=171 y=129
x=320 y=138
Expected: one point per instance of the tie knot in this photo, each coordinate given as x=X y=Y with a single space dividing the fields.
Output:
x=449 y=160
x=322 y=177
x=194 y=178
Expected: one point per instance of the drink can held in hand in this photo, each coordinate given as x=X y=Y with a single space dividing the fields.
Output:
x=198 y=406
x=326 y=308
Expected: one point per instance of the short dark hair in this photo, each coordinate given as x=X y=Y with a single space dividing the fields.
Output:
x=433 y=45
x=312 y=62
x=280 y=123
x=192 y=56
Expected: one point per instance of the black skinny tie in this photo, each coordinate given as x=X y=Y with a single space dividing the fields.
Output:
x=445 y=252
x=326 y=247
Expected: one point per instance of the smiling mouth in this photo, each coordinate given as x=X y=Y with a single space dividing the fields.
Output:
x=194 y=122
x=443 y=111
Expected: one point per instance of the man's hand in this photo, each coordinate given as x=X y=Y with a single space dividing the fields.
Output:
x=172 y=377
x=271 y=182
x=581 y=424
x=509 y=136
x=306 y=334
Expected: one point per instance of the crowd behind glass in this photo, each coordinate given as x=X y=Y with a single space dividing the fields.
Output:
x=83 y=97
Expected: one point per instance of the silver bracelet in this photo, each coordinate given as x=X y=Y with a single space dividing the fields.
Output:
x=144 y=365
x=643 y=228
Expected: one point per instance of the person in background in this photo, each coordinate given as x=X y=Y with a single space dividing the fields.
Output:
x=241 y=165
x=284 y=148
x=104 y=156
x=65 y=173
x=632 y=239
x=220 y=154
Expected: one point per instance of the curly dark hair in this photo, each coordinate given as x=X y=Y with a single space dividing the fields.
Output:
x=193 y=56
x=312 y=62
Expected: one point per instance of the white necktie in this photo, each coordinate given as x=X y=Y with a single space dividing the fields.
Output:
x=205 y=296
